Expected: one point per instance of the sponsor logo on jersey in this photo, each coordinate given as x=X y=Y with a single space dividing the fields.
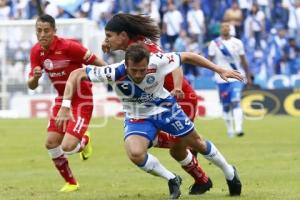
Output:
x=58 y=52
x=56 y=74
x=150 y=79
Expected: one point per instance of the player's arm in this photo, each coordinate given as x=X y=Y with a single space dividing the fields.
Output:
x=177 y=81
x=246 y=68
x=36 y=70
x=33 y=81
x=64 y=114
x=197 y=60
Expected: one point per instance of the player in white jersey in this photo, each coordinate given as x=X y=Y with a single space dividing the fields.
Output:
x=228 y=52
x=149 y=107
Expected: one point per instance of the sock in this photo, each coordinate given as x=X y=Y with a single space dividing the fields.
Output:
x=213 y=154
x=190 y=165
x=238 y=119
x=75 y=150
x=229 y=123
x=62 y=165
x=153 y=166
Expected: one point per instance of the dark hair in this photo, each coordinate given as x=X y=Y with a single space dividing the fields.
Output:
x=136 y=53
x=134 y=26
x=47 y=18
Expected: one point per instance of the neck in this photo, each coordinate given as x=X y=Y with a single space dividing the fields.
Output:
x=226 y=37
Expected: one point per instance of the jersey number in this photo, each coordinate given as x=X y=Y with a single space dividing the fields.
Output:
x=177 y=125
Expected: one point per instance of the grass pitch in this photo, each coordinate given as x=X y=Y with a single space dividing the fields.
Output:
x=267 y=159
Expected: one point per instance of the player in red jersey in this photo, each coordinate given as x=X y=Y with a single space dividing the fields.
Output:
x=125 y=29
x=58 y=57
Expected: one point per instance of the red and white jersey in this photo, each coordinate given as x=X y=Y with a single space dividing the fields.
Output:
x=62 y=57
x=190 y=94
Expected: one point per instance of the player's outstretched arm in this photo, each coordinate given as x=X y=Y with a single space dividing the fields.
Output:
x=197 y=60
x=64 y=114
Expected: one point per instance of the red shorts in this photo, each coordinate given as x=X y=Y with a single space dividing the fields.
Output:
x=82 y=112
x=189 y=106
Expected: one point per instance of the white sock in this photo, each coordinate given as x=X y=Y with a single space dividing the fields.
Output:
x=238 y=119
x=55 y=152
x=187 y=160
x=213 y=154
x=75 y=150
x=229 y=123
x=153 y=166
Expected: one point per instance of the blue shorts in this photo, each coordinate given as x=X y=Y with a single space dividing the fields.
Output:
x=174 y=121
x=230 y=92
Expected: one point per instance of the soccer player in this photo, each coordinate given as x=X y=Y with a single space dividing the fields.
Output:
x=123 y=30
x=228 y=52
x=58 y=57
x=149 y=106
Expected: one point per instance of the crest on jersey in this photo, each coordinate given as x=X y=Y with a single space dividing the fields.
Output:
x=150 y=79
x=48 y=64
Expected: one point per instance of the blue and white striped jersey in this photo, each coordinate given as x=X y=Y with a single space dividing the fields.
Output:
x=146 y=98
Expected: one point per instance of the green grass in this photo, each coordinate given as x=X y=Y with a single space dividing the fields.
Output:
x=267 y=158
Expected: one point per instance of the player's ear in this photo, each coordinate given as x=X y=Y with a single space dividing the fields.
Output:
x=124 y=34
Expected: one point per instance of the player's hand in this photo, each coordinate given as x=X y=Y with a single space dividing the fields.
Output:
x=225 y=74
x=178 y=93
x=63 y=116
x=37 y=72
x=105 y=47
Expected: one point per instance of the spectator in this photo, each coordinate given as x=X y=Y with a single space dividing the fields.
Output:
x=196 y=24
x=172 y=22
x=256 y=25
x=234 y=16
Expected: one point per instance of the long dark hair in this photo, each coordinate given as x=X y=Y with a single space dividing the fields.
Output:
x=134 y=26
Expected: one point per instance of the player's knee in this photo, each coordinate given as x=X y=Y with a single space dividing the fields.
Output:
x=50 y=144
x=136 y=156
x=67 y=147
x=226 y=108
x=235 y=104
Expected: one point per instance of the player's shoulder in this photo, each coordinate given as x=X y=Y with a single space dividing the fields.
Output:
x=236 y=40
x=36 y=48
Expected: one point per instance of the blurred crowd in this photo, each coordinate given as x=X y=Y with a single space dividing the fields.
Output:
x=269 y=29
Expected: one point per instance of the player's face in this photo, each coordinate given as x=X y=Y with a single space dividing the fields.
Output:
x=45 y=33
x=116 y=41
x=225 y=29
x=137 y=71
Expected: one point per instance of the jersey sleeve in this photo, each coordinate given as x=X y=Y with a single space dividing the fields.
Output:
x=106 y=74
x=241 y=48
x=167 y=62
x=212 y=48
x=34 y=61
x=80 y=53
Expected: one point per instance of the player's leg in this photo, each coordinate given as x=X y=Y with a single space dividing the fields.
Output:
x=235 y=98
x=182 y=127
x=210 y=152
x=224 y=93
x=53 y=144
x=77 y=138
x=187 y=160
x=138 y=137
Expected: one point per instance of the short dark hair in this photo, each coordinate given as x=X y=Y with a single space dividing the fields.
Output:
x=136 y=53
x=47 y=18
